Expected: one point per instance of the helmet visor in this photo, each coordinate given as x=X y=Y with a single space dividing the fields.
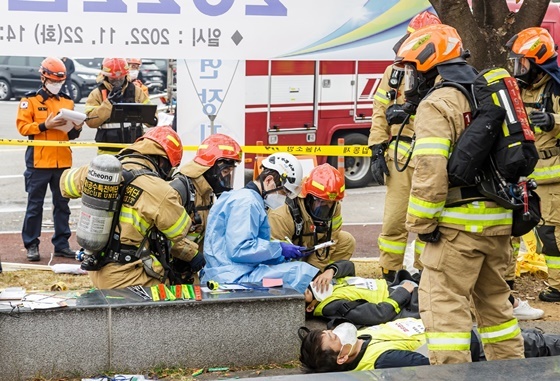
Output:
x=320 y=209
x=226 y=173
x=410 y=77
x=54 y=74
x=520 y=66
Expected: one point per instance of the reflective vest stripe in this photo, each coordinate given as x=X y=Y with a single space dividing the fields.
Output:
x=498 y=333
x=419 y=246
x=424 y=209
x=178 y=227
x=336 y=222
x=546 y=173
x=394 y=304
x=69 y=185
x=432 y=146
x=131 y=217
x=448 y=341
x=552 y=262
x=382 y=96
x=475 y=218
x=395 y=247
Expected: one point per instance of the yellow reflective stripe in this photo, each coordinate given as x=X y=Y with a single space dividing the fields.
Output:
x=382 y=96
x=193 y=236
x=178 y=227
x=131 y=217
x=394 y=304
x=394 y=247
x=498 y=333
x=419 y=246
x=432 y=146
x=70 y=185
x=476 y=215
x=90 y=108
x=404 y=148
x=546 y=173
x=317 y=185
x=448 y=341
x=336 y=222
x=146 y=101
x=424 y=209
x=495 y=75
x=552 y=262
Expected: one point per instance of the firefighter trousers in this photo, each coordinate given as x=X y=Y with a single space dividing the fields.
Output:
x=393 y=238
x=461 y=267
x=549 y=233
x=510 y=270
x=344 y=248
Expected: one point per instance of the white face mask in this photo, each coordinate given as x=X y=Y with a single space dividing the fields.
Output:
x=133 y=74
x=54 y=88
x=274 y=200
x=347 y=333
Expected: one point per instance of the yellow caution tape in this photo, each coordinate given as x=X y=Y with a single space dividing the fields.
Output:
x=356 y=151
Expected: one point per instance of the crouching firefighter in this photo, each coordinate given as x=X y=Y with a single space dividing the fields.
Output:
x=132 y=223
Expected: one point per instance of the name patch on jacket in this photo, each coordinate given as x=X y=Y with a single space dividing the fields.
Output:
x=24 y=105
x=132 y=194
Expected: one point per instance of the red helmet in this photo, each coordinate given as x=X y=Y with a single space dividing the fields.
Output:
x=168 y=139
x=534 y=43
x=421 y=20
x=324 y=182
x=53 y=68
x=215 y=147
x=114 y=68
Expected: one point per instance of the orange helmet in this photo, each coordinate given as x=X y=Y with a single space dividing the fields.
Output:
x=114 y=68
x=168 y=139
x=431 y=46
x=534 y=43
x=53 y=68
x=137 y=61
x=422 y=20
x=215 y=147
x=324 y=182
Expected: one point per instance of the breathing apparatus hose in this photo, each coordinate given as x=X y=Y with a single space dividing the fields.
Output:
x=397 y=140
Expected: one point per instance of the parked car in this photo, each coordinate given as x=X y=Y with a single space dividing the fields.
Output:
x=150 y=74
x=20 y=75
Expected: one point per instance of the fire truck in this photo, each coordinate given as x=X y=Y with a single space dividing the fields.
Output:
x=317 y=102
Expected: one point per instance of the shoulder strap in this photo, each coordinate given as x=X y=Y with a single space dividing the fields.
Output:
x=298 y=219
x=461 y=88
x=346 y=307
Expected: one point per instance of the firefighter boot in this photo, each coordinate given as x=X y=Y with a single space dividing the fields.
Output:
x=389 y=275
x=550 y=295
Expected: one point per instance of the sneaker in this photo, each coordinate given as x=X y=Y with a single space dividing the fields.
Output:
x=66 y=253
x=525 y=312
x=33 y=253
x=550 y=295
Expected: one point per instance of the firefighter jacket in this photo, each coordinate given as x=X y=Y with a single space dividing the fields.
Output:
x=149 y=202
x=204 y=199
x=440 y=120
x=237 y=245
x=381 y=131
x=547 y=170
x=139 y=84
x=34 y=108
x=282 y=225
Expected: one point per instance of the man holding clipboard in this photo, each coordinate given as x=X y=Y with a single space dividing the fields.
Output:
x=44 y=165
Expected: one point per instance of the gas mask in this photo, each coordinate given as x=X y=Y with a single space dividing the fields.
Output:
x=525 y=71
x=220 y=176
x=119 y=82
x=348 y=335
x=321 y=211
x=133 y=74
x=53 y=87
x=416 y=86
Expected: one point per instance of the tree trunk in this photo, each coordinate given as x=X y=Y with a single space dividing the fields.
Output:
x=487 y=27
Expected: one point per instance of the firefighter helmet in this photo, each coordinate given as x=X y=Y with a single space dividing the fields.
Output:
x=114 y=68
x=168 y=139
x=431 y=46
x=289 y=169
x=136 y=61
x=53 y=68
x=422 y=20
x=217 y=146
x=325 y=182
x=533 y=43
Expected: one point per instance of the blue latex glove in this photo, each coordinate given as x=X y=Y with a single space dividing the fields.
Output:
x=291 y=251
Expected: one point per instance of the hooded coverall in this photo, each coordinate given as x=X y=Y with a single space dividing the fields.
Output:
x=282 y=225
x=44 y=166
x=470 y=259
x=393 y=238
x=150 y=202
x=547 y=175
x=238 y=248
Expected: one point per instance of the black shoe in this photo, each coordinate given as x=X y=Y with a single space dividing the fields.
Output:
x=66 y=253
x=417 y=276
x=389 y=275
x=550 y=295
x=33 y=253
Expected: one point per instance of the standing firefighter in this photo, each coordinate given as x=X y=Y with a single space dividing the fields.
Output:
x=387 y=118
x=533 y=53
x=150 y=217
x=467 y=242
x=315 y=217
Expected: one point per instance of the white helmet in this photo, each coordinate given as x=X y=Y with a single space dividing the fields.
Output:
x=289 y=169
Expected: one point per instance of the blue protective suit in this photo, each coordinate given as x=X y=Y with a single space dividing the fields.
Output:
x=237 y=244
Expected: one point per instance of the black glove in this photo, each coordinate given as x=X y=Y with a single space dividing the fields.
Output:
x=198 y=262
x=544 y=120
x=395 y=114
x=432 y=237
x=115 y=95
x=378 y=163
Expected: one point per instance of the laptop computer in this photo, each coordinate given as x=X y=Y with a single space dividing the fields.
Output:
x=133 y=113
